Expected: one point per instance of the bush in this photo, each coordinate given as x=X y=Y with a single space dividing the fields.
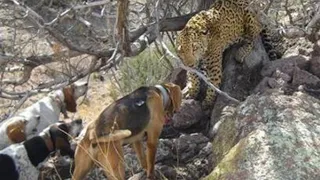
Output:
x=146 y=69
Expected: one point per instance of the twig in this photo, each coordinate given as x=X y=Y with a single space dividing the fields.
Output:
x=314 y=20
x=92 y=4
x=17 y=107
x=266 y=10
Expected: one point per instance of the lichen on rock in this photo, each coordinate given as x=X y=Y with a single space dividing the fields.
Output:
x=277 y=138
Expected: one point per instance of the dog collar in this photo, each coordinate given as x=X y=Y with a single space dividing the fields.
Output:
x=46 y=136
x=165 y=94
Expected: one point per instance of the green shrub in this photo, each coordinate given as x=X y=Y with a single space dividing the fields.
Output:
x=148 y=68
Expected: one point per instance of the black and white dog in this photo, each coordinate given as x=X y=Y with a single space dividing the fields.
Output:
x=20 y=161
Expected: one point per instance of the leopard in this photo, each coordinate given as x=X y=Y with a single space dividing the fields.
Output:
x=206 y=35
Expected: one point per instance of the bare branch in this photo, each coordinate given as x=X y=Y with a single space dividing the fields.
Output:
x=122 y=32
x=92 y=4
x=314 y=21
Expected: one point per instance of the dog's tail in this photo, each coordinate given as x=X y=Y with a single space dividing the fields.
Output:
x=116 y=135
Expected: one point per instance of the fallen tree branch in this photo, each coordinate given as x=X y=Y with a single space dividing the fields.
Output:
x=26 y=75
x=314 y=21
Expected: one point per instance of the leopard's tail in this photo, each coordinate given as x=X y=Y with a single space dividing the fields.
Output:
x=273 y=42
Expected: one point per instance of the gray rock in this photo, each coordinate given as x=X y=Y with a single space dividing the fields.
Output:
x=269 y=136
x=189 y=114
x=301 y=77
x=186 y=157
x=285 y=65
x=315 y=66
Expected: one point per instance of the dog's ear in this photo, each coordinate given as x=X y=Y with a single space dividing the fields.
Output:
x=69 y=99
x=59 y=133
x=16 y=131
x=175 y=96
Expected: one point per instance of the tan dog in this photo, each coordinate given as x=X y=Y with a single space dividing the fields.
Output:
x=127 y=120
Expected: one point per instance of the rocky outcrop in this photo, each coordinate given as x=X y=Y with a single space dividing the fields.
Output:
x=186 y=157
x=269 y=136
x=273 y=134
x=190 y=113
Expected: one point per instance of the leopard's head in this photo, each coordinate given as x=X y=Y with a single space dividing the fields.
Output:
x=192 y=41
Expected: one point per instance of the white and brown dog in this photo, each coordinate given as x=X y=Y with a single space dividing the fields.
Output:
x=32 y=120
x=20 y=161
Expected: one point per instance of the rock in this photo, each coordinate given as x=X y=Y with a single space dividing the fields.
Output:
x=287 y=74
x=178 y=76
x=285 y=65
x=239 y=80
x=301 y=77
x=189 y=114
x=187 y=157
x=315 y=66
x=278 y=80
x=184 y=144
x=269 y=136
x=55 y=167
x=299 y=46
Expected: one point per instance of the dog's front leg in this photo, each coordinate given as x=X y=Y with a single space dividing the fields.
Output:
x=152 y=143
x=111 y=159
x=83 y=160
x=138 y=147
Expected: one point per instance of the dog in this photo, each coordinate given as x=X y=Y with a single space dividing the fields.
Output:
x=32 y=120
x=20 y=161
x=126 y=120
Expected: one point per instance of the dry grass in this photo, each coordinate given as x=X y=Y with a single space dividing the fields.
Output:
x=98 y=97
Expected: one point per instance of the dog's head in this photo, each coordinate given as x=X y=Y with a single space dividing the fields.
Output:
x=75 y=127
x=58 y=137
x=72 y=93
x=175 y=95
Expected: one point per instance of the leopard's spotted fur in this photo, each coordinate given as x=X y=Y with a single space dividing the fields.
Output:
x=208 y=33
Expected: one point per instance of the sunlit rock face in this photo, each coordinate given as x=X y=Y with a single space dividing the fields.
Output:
x=269 y=136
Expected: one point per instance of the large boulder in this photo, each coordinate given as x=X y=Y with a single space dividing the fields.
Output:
x=239 y=80
x=269 y=136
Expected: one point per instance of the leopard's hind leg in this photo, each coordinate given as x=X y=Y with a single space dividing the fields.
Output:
x=252 y=30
